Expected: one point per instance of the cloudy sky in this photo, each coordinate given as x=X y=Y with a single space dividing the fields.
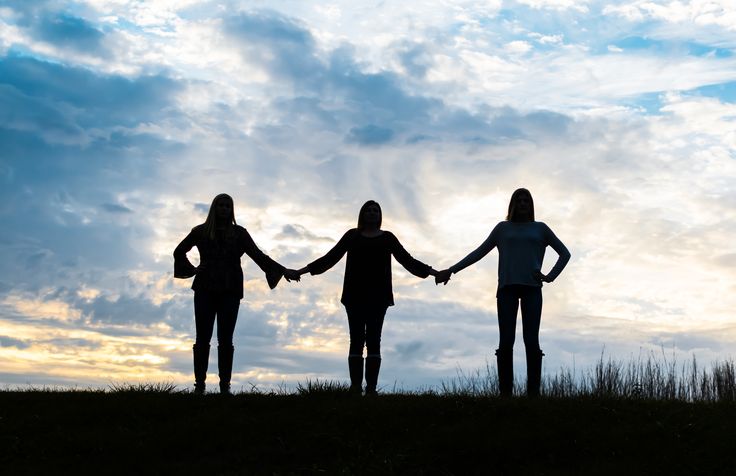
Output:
x=120 y=120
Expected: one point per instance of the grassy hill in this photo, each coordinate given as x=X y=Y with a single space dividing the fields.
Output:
x=324 y=430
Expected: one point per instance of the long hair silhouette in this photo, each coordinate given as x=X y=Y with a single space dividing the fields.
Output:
x=210 y=224
x=361 y=214
x=511 y=216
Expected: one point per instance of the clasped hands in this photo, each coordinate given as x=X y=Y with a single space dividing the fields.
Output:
x=442 y=276
x=295 y=274
x=292 y=275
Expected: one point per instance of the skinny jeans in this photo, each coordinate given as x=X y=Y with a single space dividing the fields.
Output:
x=366 y=324
x=210 y=306
x=508 y=299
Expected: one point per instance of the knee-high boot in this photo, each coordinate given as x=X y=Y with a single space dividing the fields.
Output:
x=533 y=372
x=225 y=366
x=372 y=368
x=355 y=366
x=201 y=353
x=505 y=363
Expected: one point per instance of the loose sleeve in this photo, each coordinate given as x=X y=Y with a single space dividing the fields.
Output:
x=183 y=268
x=274 y=271
x=320 y=265
x=413 y=265
x=560 y=249
x=478 y=253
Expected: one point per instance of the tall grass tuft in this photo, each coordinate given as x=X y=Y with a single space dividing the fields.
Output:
x=156 y=387
x=649 y=378
x=322 y=387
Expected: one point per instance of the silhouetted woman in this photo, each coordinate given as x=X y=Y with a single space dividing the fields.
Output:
x=521 y=243
x=218 y=284
x=367 y=290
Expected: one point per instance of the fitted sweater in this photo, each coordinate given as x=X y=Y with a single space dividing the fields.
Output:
x=367 y=278
x=521 y=247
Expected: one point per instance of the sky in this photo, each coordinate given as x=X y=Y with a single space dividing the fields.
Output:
x=120 y=120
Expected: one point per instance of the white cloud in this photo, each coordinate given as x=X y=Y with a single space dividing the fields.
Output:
x=577 y=5
x=518 y=47
x=720 y=13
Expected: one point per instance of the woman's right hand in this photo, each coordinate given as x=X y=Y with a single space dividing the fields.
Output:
x=200 y=268
x=292 y=275
x=442 y=276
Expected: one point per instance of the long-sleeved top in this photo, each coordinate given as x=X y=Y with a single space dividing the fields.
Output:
x=521 y=248
x=368 y=269
x=220 y=260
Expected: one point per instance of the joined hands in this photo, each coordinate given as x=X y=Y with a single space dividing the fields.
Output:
x=292 y=275
x=442 y=277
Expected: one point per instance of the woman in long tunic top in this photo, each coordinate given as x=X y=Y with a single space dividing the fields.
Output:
x=521 y=244
x=218 y=284
x=367 y=289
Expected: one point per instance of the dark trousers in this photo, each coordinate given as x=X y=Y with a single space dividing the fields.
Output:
x=507 y=300
x=366 y=323
x=209 y=307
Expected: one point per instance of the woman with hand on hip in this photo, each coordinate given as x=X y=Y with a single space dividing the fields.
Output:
x=367 y=290
x=521 y=244
x=218 y=284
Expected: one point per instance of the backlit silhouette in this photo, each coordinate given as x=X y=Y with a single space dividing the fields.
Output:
x=521 y=243
x=367 y=290
x=218 y=284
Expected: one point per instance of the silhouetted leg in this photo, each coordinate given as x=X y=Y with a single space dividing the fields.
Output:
x=505 y=365
x=507 y=302
x=372 y=368
x=531 y=317
x=204 y=320
x=355 y=365
x=374 y=326
x=533 y=372
x=356 y=324
x=201 y=356
x=227 y=316
x=225 y=366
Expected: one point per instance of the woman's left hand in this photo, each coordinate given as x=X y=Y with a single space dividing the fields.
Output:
x=292 y=275
x=541 y=277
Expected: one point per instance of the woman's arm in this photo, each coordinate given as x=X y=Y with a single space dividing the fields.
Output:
x=273 y=270
x=320 y=265
x=183 y=268
x=562 y=251
x=477 y=254
x=413 y=265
